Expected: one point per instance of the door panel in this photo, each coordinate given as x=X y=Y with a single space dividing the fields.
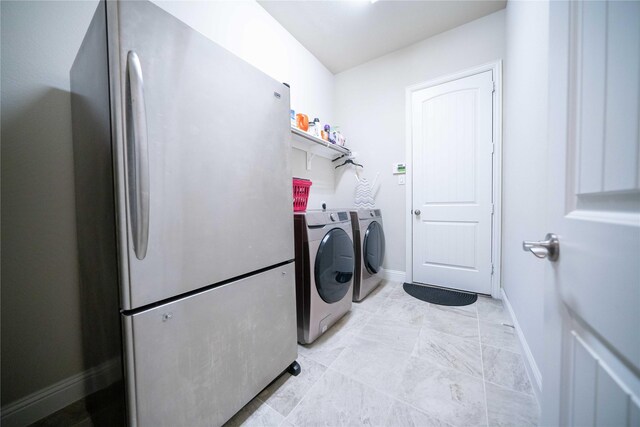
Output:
x=608 y=66
x=452 y=183
x=592 y=375
x=219 y=159
x=584 y=368
x=592 y=213
x=451 y=244
x=598 y=395
x=199 y=360
x=449 y=146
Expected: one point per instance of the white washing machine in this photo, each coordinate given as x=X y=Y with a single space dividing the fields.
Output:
x=325 y=263
x=368 y=236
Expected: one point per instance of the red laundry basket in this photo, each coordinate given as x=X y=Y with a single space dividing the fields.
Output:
x=300 y=194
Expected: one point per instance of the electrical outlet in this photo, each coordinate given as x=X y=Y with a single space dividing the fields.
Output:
x=402 y=179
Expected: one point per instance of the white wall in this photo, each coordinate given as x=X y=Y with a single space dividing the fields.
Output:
x=247 y=30
x=41 y=341
x=41 y=326
x=524 y=155
x=370 y=108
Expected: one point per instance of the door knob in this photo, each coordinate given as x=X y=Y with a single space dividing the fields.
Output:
x=417 y=212
x=549 y=248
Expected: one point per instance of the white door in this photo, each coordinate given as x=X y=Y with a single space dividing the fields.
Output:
x=452 y=183
x=592 y=299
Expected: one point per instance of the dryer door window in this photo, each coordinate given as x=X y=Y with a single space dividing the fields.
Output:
x=373 y=248
x=334 y=265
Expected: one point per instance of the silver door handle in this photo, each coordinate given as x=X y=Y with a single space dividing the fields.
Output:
x=417 y=212
x=549 y=248
x=137 y=157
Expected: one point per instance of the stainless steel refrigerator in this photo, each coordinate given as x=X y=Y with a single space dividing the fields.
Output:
x=184 y=203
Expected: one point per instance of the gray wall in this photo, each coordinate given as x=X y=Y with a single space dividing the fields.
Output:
x=51 y=323
x=42 y=339
x=524 y=153
x=370 y=106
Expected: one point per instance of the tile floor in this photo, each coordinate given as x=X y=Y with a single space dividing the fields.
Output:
x=398 y=361
x=392 y=361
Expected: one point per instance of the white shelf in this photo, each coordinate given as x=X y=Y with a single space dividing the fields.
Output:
x=314 y=145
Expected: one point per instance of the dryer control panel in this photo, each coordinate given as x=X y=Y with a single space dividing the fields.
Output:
x=369 y=213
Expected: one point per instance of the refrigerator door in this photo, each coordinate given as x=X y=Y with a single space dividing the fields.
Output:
x=200 y=359
x=203 y=158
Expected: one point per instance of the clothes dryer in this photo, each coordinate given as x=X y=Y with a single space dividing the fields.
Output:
x=325 y=263
x=368 y=237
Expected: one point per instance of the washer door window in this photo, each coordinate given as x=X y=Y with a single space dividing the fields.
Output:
x=373 y=248
x=334 y=265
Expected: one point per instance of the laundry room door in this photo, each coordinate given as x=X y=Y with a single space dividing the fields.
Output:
x=452 y=142
x=592 y=289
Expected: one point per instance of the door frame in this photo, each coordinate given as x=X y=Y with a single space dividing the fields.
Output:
x=496 y=227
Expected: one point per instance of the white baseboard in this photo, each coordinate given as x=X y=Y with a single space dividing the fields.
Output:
x=530 y=363
x=50 y=399
x=394 y=275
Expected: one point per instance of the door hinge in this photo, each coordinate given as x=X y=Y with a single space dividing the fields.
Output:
x=493 y=147
x=493 y=209
x=493 y=88
x=492 y=269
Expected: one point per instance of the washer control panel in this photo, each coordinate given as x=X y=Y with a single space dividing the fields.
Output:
x=320 y=218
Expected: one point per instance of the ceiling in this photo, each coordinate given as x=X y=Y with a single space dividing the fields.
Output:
x=343 y=34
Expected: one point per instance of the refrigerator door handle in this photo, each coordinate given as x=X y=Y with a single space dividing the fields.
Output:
x=137 y=157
